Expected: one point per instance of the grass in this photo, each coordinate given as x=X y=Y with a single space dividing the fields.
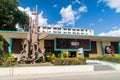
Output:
x=29 y=65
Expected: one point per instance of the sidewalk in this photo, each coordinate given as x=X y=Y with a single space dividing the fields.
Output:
x=37 y=77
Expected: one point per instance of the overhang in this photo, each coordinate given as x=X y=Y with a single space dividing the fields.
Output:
x=16 y=34
x=93 y=38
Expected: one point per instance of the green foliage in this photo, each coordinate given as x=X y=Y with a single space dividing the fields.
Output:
x=1 y=42
x=115 y=59
x=65 y=54
x=49 y=57
x=10 y=15
x=10 y=60
x=69 y=61
x=7 y=60
x=1 y=38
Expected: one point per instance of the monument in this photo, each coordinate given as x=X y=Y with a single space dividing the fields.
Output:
x=30 y=44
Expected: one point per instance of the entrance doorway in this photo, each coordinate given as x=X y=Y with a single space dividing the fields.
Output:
x=72 y=54
x=86 y=54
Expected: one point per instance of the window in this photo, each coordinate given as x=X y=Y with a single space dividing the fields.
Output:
x=48 y=28
x=115 y=47
x=44 y=27
x=73 y=29
x=74 y=33
x=69 y=32
x=59 y=28
x=78 y=30
x=82 y=30
x=54 y=28
x=69 y=29
x=65 y=29
x=93 y=47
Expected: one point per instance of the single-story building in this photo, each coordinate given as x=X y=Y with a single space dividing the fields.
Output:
x=55 y=43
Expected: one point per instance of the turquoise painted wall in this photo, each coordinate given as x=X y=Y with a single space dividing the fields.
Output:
x=101 y=46
x=10 y=47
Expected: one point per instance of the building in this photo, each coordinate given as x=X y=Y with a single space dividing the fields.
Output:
x=56 y=42
x=60 y=30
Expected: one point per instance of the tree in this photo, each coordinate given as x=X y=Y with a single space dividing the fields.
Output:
x=10 y=15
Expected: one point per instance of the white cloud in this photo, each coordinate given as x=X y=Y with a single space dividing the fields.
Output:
x=99 y=1
x=77 y=17
x=82 y=9
x=111 y=33
x=68 y=16
x=115 y=27
x=41 y=20
x=76 y=1
x=20 y=8
x=55 y=5
x=113 y=4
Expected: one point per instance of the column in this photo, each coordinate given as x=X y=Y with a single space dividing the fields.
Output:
x=118 y=47
x=101 y=46
x=10 y=47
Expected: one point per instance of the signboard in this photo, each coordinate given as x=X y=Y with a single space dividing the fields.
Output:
x=75 y=43
x=62 y=43
x=80 y=50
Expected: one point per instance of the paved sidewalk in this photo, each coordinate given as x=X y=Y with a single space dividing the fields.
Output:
x=96 y=75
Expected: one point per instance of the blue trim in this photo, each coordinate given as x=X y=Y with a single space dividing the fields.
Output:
x=12 y=31
x=71 y=49
x=10 y=48
x=101 y=46
x=83 y=56
x=118 y=47
x=60 y=54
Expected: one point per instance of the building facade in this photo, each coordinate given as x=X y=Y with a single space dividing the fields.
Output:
x=92 y=45
x=60 y=30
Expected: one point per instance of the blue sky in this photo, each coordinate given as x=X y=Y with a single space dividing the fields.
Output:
x=103 y=16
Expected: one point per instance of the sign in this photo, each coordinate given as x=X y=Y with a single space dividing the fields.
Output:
x=80 y=50
x=75 y=43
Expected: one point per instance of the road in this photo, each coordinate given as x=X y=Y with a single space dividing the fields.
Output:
x=97 y=75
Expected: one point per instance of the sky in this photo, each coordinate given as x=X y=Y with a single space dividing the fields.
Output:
x=103 y=16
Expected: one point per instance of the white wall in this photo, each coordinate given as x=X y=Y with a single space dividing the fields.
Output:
x=44 y=70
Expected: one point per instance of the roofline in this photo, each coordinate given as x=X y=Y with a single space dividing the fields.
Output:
x=62 y=34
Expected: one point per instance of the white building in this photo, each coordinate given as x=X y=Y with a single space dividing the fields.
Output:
x=60 y=30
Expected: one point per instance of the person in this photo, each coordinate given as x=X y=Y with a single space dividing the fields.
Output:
x=108 y=50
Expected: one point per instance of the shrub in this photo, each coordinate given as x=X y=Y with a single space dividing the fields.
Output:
x=10 y=60
x=65 y=54
x=7 y=60
x=49 y=57
x=111 y=58
x=69 y=61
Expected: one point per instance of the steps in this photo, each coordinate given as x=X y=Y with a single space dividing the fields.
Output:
x=100 y=67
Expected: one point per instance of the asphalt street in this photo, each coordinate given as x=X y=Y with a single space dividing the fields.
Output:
x=96 y=75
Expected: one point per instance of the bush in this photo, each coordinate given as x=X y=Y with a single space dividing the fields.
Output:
x=7 y=60
x=65 y=54
x=49 y=57
x=10 y=60
x=111 y=58
x=69 y=61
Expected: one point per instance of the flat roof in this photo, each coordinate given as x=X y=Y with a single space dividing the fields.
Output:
x=17 y=34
